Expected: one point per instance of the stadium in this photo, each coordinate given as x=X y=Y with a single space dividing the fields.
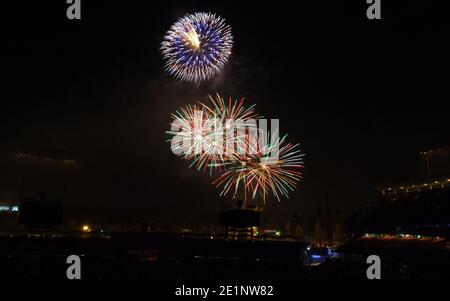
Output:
x=336 y=116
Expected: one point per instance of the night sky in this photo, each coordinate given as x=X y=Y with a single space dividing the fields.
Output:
x=362 y=97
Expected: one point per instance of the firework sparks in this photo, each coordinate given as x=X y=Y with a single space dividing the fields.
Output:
x=197 y=47
x=263 y=174
x=212 y=133
x=259 y=164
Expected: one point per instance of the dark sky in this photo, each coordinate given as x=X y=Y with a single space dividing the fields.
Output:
x=362 y=97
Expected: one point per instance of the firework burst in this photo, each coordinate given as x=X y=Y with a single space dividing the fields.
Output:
x=274 y=170
x=213 y=131
x=259 y=164
x=197 y=47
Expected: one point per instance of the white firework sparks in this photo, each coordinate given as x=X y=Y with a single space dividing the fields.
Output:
x=197 y=47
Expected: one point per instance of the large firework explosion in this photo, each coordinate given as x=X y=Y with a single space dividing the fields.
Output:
x=271 y=168
x=197 y=47
x=274 y=169
x=213 y=132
